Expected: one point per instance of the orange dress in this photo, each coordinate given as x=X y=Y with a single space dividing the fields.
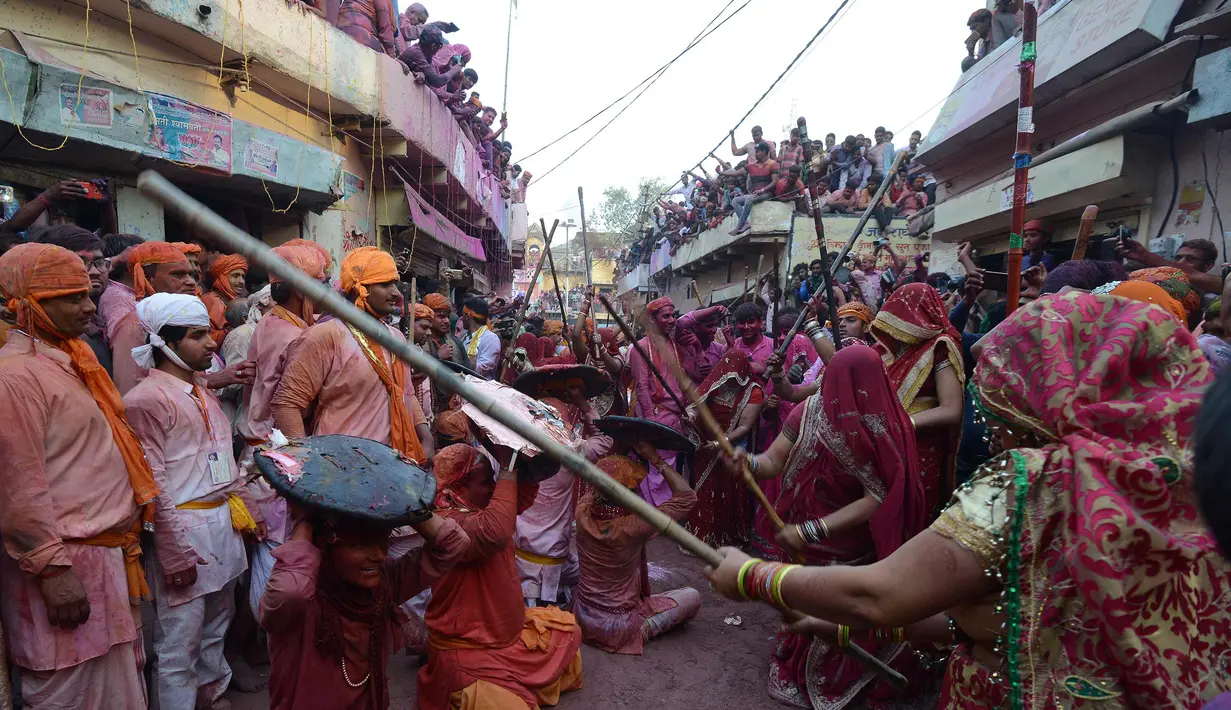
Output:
x=487 y=651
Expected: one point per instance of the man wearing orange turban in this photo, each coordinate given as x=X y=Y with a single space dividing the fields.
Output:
x=614 y=615
x=227 y=275
x=342 y=377
x=854 y=319
x=326 y=258
x=75 y=480
x=487 y=649
x=155 y=267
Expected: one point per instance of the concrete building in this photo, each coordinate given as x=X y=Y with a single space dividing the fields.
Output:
x=268 y=114
x=570 y=273
x=1116 y=124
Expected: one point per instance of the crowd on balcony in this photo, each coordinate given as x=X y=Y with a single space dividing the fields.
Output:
x=991 y=28
x=423 y=51
x=849 y=175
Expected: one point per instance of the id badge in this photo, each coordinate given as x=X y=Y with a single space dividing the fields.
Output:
x=219 y=472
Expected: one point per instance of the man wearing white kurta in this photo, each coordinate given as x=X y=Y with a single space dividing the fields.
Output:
x=198 y=551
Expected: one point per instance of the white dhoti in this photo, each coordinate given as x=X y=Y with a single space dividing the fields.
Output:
x=108 y=682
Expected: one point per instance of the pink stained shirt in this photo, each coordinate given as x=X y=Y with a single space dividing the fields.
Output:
x=613 y=598
x=63 y=477
x=327 y=367
x=300 y=677
x=127 y=335
x=115 y=303
x=268 y=352
x=757 y=354
x=653 y=402
x=164 y=412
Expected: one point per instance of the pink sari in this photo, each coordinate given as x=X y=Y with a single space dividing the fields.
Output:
x=850 y=438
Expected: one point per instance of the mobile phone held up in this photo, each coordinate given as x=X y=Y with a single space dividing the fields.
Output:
x=93 y=191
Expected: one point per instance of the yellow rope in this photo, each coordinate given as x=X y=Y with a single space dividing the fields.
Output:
x=17 y=121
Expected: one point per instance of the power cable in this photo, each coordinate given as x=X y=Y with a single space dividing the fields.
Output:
x=700 y=37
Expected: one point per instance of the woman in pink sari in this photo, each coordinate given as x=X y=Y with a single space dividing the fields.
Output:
x=721 y=516
x=850 y=494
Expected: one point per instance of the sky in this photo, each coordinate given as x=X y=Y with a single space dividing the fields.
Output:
x=881 y=62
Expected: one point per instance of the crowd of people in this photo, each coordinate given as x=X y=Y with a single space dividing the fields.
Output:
x=849 y=175
x=1030 y=472
x=424 y=52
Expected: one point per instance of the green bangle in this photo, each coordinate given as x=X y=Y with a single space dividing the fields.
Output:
x=743 y=571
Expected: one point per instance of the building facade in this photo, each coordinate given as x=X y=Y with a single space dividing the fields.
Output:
x=1129 y=106
x=267 y=114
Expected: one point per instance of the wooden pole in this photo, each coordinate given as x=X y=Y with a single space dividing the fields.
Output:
x=551 y=262
x=713 y=428
x=815 y=197
x=867 y=213
x=538 y=269
x=585 y=246
x=199 y=218
x=1088 y=216
x=1022 y=157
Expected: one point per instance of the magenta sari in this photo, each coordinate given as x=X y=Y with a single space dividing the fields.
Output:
x=852 y=436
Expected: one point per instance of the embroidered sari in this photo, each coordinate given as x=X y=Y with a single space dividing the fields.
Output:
x=852 y=436
x=1114 y=589
x=722 y=514
x=916 y=340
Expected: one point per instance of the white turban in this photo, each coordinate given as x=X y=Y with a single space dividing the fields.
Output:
x=163 y=309
x=258 y=301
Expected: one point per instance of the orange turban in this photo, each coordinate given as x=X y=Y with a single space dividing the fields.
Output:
x=658 y=304
x=221 y=269
x=326 y=257
x=437 y=302
x=1147 y=292
x=147 y=254
x=422 y=311
x=187 y=248
x=453 y=424
x=553 y=327
x=858 y=309
x=302 y=257
x=625 y=471
x=30 y=273
x=452 y=466
x=365 y=266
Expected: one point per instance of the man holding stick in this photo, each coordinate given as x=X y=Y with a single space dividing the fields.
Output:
x=653 y=400
x=697 y=335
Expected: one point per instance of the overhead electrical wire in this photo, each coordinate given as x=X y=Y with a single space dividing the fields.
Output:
x=695 y=41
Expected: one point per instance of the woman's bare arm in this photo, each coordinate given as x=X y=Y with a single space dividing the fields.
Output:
x=949 y=411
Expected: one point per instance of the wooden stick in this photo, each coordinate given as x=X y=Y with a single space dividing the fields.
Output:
x=814 y=196
x=552 y=263
x=196 y=216
x=707 y=418
x=697 y=292
x=744 y=296
x=1021 y=155
x=521 y=314
x=1088 y=216
x=752 y=296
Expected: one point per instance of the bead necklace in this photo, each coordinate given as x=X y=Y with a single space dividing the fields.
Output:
x=346 y=676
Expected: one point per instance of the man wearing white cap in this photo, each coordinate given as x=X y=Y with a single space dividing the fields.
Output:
x=198 y=550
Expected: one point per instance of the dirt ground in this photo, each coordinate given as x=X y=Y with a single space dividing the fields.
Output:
x=706 y=664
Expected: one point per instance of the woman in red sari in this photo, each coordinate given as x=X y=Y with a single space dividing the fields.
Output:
x=721 y=516
x=922 y=353
x=851 y=494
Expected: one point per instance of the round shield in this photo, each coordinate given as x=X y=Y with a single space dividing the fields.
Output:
x=544 y=417
x=596 y=381
x=351 y=477
x=630 y=429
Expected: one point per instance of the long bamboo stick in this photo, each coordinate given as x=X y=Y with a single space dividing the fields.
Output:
x=521 y=313
x=551 y=262
x=707 y=418
x=1021 y=156
x=202 y=220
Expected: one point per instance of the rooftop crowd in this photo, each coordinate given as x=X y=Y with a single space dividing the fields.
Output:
x=426 y=54
x=848 y=177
